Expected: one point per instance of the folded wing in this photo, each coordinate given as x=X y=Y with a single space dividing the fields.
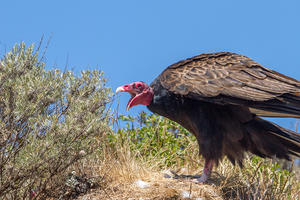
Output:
x=228 y=78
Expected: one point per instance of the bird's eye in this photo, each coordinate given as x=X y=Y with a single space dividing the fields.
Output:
x=139 y=85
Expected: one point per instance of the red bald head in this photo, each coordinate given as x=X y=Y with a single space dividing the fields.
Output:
x=140 y=93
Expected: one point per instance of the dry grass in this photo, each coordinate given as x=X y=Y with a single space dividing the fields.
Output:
x=122 y=169
x=121 y=176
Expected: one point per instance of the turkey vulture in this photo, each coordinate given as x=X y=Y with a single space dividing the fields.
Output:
x=219 y=97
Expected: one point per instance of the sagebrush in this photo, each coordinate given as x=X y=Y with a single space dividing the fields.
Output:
x=49 y=120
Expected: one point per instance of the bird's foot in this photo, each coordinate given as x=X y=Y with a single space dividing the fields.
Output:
x=206 y=172
x=204 y=177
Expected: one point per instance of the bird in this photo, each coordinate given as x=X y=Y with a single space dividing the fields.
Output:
x=221 y=98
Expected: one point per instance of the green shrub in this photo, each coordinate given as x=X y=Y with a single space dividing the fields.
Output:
x=153 y=137
x=49 y=120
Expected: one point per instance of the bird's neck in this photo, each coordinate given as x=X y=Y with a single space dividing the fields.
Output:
x=163 y=103
x=148 y=96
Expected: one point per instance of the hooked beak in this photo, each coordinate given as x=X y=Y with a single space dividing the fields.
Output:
x=120 y=89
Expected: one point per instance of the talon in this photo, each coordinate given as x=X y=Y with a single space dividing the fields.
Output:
x=204 y=177
x=197 y=181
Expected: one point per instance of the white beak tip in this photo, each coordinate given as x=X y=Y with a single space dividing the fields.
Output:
x=120 y=89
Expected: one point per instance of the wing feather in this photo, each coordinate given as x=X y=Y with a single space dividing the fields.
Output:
x=230 y=78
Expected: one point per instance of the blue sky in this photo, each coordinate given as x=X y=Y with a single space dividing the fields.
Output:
x=135 y=40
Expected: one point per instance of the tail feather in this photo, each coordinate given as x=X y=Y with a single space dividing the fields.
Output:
x=270 y=140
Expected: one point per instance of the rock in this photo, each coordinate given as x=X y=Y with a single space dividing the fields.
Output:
x=185 y=194
x=142 y=184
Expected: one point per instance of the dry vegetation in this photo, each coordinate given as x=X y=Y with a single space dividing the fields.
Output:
x=128 y=164
x=60 y=141
x=49 y=121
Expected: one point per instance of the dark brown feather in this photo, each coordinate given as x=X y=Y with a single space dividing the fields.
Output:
x=229 y=78
x=219 y=96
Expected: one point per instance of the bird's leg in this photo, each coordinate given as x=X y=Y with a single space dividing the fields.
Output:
x=206 y=171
